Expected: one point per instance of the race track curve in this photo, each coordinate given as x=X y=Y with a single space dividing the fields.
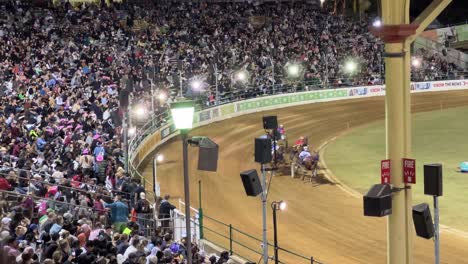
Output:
x=321 y=219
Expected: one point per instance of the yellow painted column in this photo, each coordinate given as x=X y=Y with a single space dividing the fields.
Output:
x=399 y=245
x=398 y=134
x=408 y=149
x=398 y=34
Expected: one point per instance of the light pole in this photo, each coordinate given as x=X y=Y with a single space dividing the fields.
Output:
x=273 y=73
x=216 y=83
x=182 y=116
x=125 y=138
x=276 y=206
x=152 y=102
x=126 y=123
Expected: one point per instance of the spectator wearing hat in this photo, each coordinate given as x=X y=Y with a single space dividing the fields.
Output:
x=86 y=162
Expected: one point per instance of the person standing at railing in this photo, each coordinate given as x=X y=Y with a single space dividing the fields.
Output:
x=119 y=213
x=143 y=211
x=139 y=189
x=165 y=211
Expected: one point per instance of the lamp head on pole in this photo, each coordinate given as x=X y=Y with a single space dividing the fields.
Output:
x=351 y=66
x=140 y=112
x=131 y=131
x=279 y=206
x=160 y=158
x=293 y=70
x=182 y=114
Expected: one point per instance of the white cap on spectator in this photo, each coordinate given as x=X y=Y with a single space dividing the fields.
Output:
x=202 y=253
x=4 y=234
x=6 y=220
x=153 y=259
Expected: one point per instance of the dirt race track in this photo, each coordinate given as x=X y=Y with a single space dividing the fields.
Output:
x=321 y=219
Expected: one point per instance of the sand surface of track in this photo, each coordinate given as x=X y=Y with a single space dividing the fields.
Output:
x=321 y=219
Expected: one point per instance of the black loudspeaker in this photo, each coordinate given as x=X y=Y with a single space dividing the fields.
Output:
x=263 y=150
x=270 y=122
x=423 y=221
x=208 y=155
x=433 y=179
x=252 y=184
x=378 y=201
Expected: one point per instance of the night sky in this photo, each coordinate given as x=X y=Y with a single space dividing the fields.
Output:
x=455 y=13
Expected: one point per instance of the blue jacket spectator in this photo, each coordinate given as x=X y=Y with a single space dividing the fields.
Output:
x=119 y=210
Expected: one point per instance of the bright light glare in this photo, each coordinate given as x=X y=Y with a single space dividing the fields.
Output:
x=140 y=111
x=350 y=66
x=282 y=205
x=293 y=70
x=322 y=1
x=131 y=131
x=162 y=96
x=416 y=62
x=183 y=117
x=160 y=158
x=377 y=23
x=196 y=84
x=241 y=76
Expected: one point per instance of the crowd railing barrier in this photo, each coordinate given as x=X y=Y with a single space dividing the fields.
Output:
x=233 y=239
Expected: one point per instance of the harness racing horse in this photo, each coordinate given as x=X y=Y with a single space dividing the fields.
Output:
x=311 y=163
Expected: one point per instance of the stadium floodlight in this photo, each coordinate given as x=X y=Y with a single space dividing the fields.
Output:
x=321 y=2
x=416 y=62
x=282 y=205
x=196 y=85
x=350 y=66
x=241 y=76
x=140 y=111
x=377 y=23
x=162 y=96
x=132 y=131
x=294 y=70
x=160 y=157
x=182 y=114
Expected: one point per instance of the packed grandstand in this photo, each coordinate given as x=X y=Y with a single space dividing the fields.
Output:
x=66 y=76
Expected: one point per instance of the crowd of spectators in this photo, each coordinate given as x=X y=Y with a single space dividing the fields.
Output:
x=69 y=236
x=428 y=65
x=68 y=76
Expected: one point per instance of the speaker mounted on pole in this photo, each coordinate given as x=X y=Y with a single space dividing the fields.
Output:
x=251 y=182
x=208 y=155
x=270 y=122
x=263 y=150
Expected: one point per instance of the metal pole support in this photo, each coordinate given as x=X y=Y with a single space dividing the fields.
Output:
x=230 y=239
x=264 y=216
x=436 y=231
x=125 y=138
x=200 y=210
x=187 y=198
x=275 y=234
